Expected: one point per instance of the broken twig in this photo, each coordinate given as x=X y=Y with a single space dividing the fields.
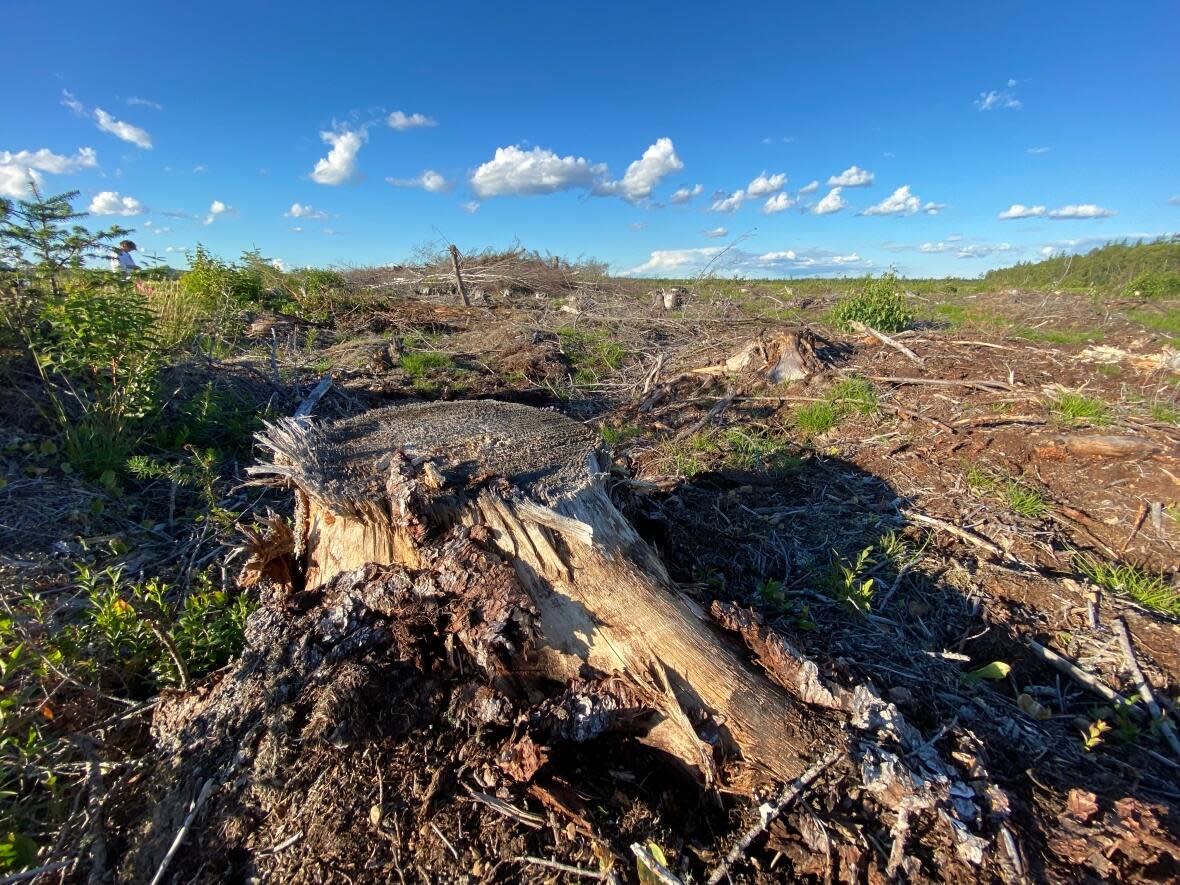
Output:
x=890 y=342
x=1080 y=676
x=1143 y=687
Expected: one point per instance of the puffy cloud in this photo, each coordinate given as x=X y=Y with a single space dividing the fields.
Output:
x=809 y=188
x=340 y=164
x=795 y=262
x=959 y=250
x=996 y=100
x=1019 y=210
x=717 y=233
x=302 y=210
x=537 y=171
x=1082 y=210
x=853 y=176
x=666 y=260
x=788 y=255
x=832 y=202
x=111 y=203
x=402 y=121
x=764 y=184
x=903 y=202
x=217 y=209
x=728 y=202
x=120 y=129
x=145 y=103
x=1038 y=150
x=644 y=174
x=685 y=194
x=429 y=181
x=778 y=203
x=18 y=169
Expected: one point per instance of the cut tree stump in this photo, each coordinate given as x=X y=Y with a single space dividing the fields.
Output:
x=371 y=488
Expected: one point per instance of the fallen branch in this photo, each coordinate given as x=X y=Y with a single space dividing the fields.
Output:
x=718 y=407
x=767 y=812
x=35 y=872
x=317 y=393
x=535 y=821
x=655 y=870
x=206 y=789
x=561 y=867
x=1078 y=675
x=1143 y=687
x=891 y=342
x=980 y=384
x=961 y=533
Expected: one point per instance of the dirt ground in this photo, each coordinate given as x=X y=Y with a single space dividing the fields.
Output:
x=323 y=757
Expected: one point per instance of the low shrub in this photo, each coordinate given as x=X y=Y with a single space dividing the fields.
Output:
x=881 y=305
x=1154 y=286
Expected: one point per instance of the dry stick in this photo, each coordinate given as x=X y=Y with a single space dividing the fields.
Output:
x=990 y=386
x=1076 y=673
x=95 y=794
x=768 y=812
x=317 y=393
x=720 y=406
x=1144 y=687
x=561 y=867
x=961 y=533
x=885 y=339
x=1144 y=509
x=206 y=789
x=35 y=872
x=507 y=809
x=654 y=869
x=454 y=250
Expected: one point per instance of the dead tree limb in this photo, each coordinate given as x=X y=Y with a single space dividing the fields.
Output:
x=454 y=250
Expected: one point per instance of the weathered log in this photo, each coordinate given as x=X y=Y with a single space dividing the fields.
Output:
x=370 y=488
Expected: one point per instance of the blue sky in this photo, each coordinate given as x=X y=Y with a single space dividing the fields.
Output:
x=648 y=135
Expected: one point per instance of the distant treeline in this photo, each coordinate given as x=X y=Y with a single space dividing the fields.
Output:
x=1113 y=267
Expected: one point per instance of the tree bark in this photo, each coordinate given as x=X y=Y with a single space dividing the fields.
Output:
x=459 y=284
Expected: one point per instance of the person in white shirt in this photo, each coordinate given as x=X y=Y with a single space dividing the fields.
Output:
x=122 y=260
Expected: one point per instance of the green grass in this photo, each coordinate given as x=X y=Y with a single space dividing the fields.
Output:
x=1150 y=591
x=957 y=314
x=1060 y=336
x=613 y=436
x=744 y=449
x=1167 y=321
x=1019 y=497
x=593 y=353
x=421 y=363
x=1166 y=414
x=854 y=395
x=1074 y=407
x=814 y=419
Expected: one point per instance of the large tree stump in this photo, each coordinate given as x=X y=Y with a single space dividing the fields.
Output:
x=370 y=489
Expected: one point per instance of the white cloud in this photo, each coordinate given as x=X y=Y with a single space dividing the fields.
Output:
x=717 y=233
x=932 y=208
x=993 y=100
x=665 y=260
x=973 y=250
x=1038 y=150
x=70 y=101
x=16 y=170
x=728 y=202
x=788 y=255
x=853 y=176
x=301 y=210
x=537 y=171
x=1019 y=210
x=429 y=180
x=644 y=174
x=470 y=207
x=901 y=202
x=111 y=203
x=1174 y=201
x=340 y=164
x=199 y=169
x=402 y=121
x=120 y=129
x=685 y=194
x=145 y=103
x=764 y=184
x=809 y=188
x=832 y=202
x=778 y=203
x=217 y=209
x=1082 y=210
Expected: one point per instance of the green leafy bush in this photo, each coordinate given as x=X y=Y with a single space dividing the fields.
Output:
x=1154 y=286
x=212 y=281
x=881 y=305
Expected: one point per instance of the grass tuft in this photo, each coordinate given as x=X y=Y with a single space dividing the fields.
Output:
x=1150 y=591
x=1074 y=407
